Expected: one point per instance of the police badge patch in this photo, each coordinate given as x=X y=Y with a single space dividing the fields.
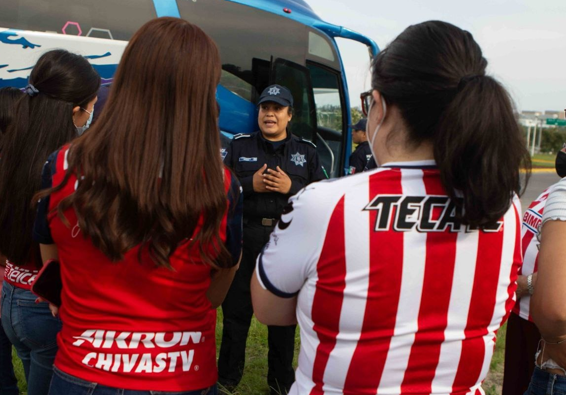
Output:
x=274 y=91
x=298 y=159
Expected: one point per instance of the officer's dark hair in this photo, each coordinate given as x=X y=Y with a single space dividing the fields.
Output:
x=43 y=121
x=434 y=73
x=151 y=169
x=8 y=98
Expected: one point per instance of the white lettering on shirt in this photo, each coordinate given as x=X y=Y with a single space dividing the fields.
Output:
x=138 y=362
x=100 y=338
x=18 y=275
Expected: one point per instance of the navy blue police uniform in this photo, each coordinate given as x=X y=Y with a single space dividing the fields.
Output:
x=371 y=164
x=295 y=156
x=245 y=156
x=362 y=158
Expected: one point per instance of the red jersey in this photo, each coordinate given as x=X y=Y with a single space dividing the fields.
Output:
x=20 y=276
x=131 y=324
x=394 y=294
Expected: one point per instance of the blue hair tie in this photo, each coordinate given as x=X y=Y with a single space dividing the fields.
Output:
x=31 y=90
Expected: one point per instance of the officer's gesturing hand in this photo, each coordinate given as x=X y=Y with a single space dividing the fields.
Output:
x=277 y=181
x=258 y=184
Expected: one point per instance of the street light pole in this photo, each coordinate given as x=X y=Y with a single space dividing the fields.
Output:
x=534 y=138
x=540 y=136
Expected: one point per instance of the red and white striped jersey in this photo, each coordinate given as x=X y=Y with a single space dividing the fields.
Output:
x=529 y=234
x=395 y=295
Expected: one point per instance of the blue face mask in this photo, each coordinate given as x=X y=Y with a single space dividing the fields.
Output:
x=82 y=129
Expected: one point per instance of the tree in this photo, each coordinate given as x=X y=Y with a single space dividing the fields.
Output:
x=356 y=115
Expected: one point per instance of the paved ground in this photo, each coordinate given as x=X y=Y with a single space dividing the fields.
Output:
x=540 y=180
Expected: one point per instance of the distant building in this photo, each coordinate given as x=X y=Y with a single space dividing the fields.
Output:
x=554 y=114
x=539 y=118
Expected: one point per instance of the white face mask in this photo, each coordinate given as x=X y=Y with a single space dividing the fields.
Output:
x=376 y=129
x=82 y=129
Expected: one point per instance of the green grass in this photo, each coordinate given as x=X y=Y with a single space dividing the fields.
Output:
x=254 y=381
x=19 y=370
x=492 y=384
x=543 y=160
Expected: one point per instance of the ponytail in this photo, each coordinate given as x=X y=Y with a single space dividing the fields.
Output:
x=434 y=74
x=479 y=149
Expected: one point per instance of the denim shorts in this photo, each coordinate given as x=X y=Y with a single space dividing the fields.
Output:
x=65 y=384
x=545 y=383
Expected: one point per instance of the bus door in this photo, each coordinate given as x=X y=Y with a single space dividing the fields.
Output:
x=297 y=79
x=332 y=117
x=319 y=109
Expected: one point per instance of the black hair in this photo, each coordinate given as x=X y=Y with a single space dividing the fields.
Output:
x=42 y=123
x=8 y=98
x=435 y=74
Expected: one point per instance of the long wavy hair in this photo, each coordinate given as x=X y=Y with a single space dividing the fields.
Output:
x=435 y=74
x=150 y=168
x=41 y=124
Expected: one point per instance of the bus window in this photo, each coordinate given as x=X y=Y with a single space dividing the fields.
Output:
x=230 y=80
x=109 y=19
x=318 y=46
x=297 y=79
x=330 y=116
x=248 y=39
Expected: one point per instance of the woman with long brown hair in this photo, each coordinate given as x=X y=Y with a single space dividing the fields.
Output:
x=8 y=382
x=56 y=107
x=146 y=223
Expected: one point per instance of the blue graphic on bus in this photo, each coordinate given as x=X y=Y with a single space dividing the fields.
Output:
x=166 y=8
x=5 y=38
x=14 y=70
x=107 y=54
x=14 y=82
x=106 y=72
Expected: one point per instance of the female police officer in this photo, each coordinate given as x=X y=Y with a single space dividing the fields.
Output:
x=272 y=165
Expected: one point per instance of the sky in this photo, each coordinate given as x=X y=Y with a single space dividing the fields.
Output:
x=524 y=41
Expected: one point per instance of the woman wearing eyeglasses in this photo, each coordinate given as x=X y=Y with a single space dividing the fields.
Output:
x=56 y=108
x=400 y=277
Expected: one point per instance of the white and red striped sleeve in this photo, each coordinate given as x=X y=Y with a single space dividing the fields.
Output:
x=295 y=245
x=530 y=245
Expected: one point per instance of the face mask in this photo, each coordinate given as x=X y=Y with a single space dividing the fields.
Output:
x=82 y=129
x=560 y=163
x=376 y=129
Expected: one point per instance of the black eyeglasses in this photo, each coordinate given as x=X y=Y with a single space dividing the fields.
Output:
x=366 y=98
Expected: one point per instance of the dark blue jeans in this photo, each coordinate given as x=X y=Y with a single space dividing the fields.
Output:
x=65 y=384
x=33 y=331
x=544 y=383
